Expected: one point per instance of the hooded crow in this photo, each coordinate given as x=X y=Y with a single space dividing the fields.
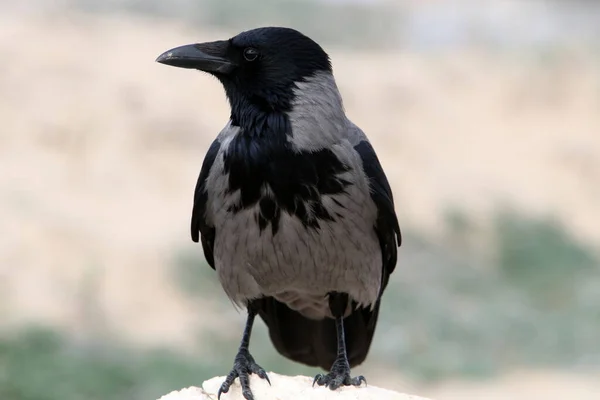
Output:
x=292 y=206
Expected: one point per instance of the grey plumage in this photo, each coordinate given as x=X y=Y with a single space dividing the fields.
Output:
x=299 y=266
x=292 y=206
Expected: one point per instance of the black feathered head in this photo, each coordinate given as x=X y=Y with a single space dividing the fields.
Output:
x=258 y=68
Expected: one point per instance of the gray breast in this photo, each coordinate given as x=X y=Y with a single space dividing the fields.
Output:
x=298 y=264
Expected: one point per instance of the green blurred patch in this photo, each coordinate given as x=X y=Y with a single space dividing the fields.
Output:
x=41 y=364
x=470 y=305
x=193 y=275
x=541 y=258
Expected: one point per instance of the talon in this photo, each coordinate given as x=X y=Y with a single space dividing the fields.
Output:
x=333 y=385
x=317 y=378
x=339 y=376
x=243 y=367
x=223 y=389
x=247 y=394
x=255 y=369
x=264 y=375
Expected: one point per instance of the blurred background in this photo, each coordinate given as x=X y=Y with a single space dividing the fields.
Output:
x=485 y=115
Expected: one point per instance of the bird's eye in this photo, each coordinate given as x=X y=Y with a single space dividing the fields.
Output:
x=250 y=54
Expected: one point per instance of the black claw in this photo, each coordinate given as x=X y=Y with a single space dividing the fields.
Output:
x=243 y=366
x=226 y=384
x=263 y=375
x=359 y=380
x=317 y=378
x=338 y=377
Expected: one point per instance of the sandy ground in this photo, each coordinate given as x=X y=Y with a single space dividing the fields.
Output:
x=100 y=149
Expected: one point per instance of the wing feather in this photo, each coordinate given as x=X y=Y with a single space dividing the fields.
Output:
x=200 y=228
x=386 y=225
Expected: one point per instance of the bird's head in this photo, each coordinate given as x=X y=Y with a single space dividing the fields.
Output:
x=260 y=69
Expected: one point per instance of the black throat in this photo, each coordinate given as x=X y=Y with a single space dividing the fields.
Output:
x=268 y=171
x=259 y=111
x=257 y=117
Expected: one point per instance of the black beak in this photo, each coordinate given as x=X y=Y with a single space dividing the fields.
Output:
x=208 y=57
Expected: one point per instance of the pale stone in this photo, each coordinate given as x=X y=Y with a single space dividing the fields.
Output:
x=283 y=388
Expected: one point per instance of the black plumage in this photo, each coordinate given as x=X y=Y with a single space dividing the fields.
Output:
x=386 y=226
x=199 y=226
x=297 y=180
x=271 y=175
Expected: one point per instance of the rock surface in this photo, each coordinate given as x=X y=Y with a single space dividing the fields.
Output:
x=283 y=388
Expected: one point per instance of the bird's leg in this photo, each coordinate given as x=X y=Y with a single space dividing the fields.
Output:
x=340 y=370
x=244 y=364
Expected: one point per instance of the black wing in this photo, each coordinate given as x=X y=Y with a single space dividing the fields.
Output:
x=386 y=226
x=200 y=228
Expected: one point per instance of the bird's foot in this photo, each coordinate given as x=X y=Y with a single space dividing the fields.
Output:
x=243 y=366
x=338 y=376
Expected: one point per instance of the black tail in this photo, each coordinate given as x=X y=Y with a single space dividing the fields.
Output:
x=314 y=343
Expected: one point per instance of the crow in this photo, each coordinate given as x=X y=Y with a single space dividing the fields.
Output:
x=292 y=206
